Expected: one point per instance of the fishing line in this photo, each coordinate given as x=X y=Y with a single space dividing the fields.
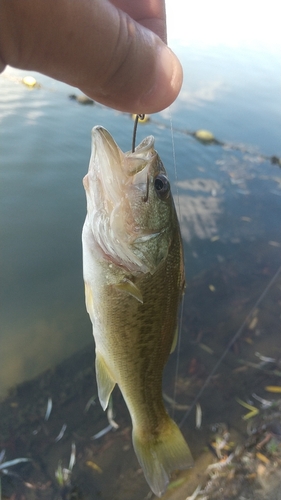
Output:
x=175 y=163
x=236 y=336
x=182 y=302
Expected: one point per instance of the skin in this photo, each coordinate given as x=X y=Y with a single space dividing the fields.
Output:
x=114 y=51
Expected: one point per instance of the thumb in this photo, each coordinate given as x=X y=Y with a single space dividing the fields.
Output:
x=136 y=71
x=94 y=46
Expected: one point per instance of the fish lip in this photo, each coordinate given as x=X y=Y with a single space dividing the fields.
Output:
x=145 y=145
x=130 y=162
x=139 y=160
x=99 y=133
x=104 y=144
x=105 y=177
x=118 y=171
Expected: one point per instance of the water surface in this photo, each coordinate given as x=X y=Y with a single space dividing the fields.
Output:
x=229 y=201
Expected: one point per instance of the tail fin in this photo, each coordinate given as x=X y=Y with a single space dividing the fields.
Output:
x=160 y=455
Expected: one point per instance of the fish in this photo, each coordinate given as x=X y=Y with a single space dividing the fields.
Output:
x=133 y=271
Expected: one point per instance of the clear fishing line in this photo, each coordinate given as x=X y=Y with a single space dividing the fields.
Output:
x=182 y=301
x=236 y=336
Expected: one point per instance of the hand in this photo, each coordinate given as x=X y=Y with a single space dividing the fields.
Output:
x=114 y=51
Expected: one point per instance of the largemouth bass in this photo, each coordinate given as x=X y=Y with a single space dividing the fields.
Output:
x=134 y=280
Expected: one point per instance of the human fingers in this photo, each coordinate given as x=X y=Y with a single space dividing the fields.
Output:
x=95 y=46
x=146 y=76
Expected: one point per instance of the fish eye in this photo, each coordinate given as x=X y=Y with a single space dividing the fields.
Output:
x=162 y=186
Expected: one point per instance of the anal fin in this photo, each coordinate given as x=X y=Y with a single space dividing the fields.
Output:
x=104 y=380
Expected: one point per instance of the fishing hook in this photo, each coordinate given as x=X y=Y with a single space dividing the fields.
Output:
x=138 y=117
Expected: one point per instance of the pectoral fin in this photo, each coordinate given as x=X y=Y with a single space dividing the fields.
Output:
x=129 y=287
x=104 y=380
x=88 y=298
x=175 y=341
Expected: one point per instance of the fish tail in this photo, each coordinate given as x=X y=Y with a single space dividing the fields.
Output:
x=161 y=454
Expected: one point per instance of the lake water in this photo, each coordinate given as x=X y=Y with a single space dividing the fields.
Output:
x=229 y=201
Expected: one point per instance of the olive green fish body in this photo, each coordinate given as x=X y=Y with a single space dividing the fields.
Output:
x=134 y=279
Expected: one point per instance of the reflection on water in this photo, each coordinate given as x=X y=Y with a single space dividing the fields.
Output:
x=199 y=213
x=229 y=204
x=199 y=217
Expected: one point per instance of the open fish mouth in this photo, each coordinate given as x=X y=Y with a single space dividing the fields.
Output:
x=112 y=173
x=116 y=169
x=122 y=202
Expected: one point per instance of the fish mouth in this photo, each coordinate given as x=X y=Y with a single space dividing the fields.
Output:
x=113 y=184
x=130 y=163
x=117 y=172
